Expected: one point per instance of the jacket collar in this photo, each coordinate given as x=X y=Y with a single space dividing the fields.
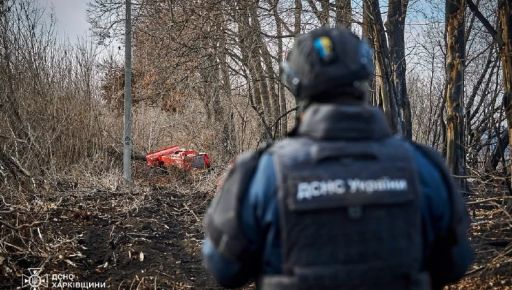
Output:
x=350 y=122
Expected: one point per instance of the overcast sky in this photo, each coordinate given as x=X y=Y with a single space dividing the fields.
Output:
x=71 y=17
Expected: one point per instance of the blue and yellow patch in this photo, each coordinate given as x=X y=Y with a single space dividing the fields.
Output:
x=323 y=46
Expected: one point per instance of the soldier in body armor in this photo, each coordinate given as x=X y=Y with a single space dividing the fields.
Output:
x=341 y=203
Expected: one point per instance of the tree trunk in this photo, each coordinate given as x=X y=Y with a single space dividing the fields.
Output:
x=395 y=25
x=297 y=13
x=505 y=30
x=228 y=121
x=251 y=50
x=321 y=14
x=498 y=152
x=367 y=34
x=324 y=13
x=343 y=13
x=367 y=22
x=384 y=86
x=282 y=126
x=454 y=92
x=267 y=79
x=297 y=28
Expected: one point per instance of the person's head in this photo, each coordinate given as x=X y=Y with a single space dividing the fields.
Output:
x=328 y=65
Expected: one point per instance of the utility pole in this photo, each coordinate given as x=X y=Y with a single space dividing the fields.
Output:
x=127 y=135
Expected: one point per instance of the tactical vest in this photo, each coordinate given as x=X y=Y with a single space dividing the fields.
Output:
x=349 y=206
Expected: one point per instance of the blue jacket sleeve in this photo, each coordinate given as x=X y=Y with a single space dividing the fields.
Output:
x=227 y=272
x=447 y=250
x=256 y=211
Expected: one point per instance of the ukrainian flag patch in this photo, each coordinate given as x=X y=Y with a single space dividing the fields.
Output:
x=323 y=46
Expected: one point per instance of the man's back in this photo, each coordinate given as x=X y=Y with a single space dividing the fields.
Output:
x=262 y=218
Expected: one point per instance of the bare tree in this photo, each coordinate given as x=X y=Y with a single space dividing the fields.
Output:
x=505 y=23
x=454 y=88
x=395 y=25
x=344 y=13
x=385 y=90
x=321 y=13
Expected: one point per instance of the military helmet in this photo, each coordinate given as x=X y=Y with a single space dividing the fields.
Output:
x=326 y=60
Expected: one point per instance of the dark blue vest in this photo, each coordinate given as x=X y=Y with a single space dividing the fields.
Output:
x=348 y=197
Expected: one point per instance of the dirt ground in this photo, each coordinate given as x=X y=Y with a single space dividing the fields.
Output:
x=150 y=238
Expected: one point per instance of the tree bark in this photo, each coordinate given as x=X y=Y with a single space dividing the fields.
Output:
x=323 y=13
x=395 y=25
x=244 y=43
x=267 y=79
x=343 y=13
x=505 y=23
x=366 y=27
x=281 y=126
x=229 y=123
x=368 y=34
x=384 y=86
x=253 y=54
x=454 y=92
x=297 y=13
x=499 y=151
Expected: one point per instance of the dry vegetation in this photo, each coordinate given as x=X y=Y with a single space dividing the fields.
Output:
x=209 y=81
x=149 y=237
x=145 y=237
x=491 y=236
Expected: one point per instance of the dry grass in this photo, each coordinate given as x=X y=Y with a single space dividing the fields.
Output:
x=491 y=236
x=91 y=226
x=98 y=230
